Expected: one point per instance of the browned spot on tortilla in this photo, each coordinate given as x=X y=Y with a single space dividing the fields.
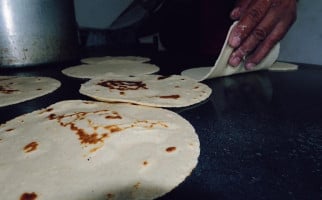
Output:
x=30 y=147
x=110 y=196
x=145 y=163
x=163 y=77
x=6 y=90
x=123 y=85
x=114 y=115
x=137 y=185
x=46 y=110
x=197 y=87
x=171 y=149
x=28 y=196
x=10 y=129
x=122 y=93
x=113 y=128
x=177 y=86
x=174 y=96
x=39 y=88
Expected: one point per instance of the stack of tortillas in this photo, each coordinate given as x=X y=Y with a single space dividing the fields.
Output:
x=96 y=66
x=89 y=150
x=14 y=89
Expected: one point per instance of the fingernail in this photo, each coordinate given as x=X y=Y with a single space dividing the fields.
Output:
x=234 y=61
x=250 y=66
x=235 y=41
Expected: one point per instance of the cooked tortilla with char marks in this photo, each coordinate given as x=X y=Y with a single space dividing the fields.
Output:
x=150 y=90
x=89 y=150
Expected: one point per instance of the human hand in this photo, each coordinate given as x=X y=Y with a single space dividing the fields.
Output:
x=262 y=24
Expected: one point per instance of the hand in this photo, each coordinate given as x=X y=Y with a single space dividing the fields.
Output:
x=262 y=24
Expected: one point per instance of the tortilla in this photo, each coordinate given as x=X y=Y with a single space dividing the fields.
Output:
x=124 y=68
x=14 y=89
x=88 y=150
x=95 y=60
x=222 y=68
x=150 y=90
x=283 y=66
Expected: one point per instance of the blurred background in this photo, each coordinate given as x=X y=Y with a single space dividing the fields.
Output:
x=184 y=26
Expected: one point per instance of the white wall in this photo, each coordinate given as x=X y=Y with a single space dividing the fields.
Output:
x=303 y=43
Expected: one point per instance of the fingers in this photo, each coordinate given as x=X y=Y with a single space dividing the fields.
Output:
x=250 y=19
x=260 y=35
x=276 y=35
x=240 y=7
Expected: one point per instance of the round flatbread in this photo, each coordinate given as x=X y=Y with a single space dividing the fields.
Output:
x=150 y=90
x=124 y=68
x=283 y=66
x=14 y=89
x=89 y=150
x=94 y=60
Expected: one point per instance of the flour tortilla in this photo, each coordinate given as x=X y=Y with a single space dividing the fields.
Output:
x=95 y=60
x=150 y=90
x=87 y=150
x=124 y=68
x=283 y=66
x=14 y=89
x=222 y=68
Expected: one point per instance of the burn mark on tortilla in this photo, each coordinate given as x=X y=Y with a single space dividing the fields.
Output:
x=171 y=149
x=163 y=77
x=30 y=147
x=86 y=137
x=110 y=196
x=114 y=115
x=137 y=185
x=145 y=163
x=9 y=130
x=122 y=93
x=28 y=196
x=174 y=96
x=123 y=85
x=7 y=90
x=113 y=128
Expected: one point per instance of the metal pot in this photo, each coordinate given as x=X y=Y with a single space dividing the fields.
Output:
x=36 y=32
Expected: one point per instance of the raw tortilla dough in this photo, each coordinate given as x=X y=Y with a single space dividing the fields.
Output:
x=14 y=89
x=222 y=68
x=87 y=150
x=124 y=68
x=149 y=90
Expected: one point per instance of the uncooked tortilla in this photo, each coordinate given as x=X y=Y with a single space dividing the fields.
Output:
x=89 y=71
x=222 y=68
x=95 y=60
x=89 y=150
x=14 y=89
x=149 y=90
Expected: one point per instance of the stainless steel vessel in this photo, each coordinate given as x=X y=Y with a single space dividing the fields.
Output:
x=35 y=32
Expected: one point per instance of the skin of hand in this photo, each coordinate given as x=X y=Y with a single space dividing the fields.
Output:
x=262 y=24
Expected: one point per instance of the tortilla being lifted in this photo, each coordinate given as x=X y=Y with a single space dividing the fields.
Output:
x=150 y=90
x=222 y=68
x=89 y=150
x=14 y=89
